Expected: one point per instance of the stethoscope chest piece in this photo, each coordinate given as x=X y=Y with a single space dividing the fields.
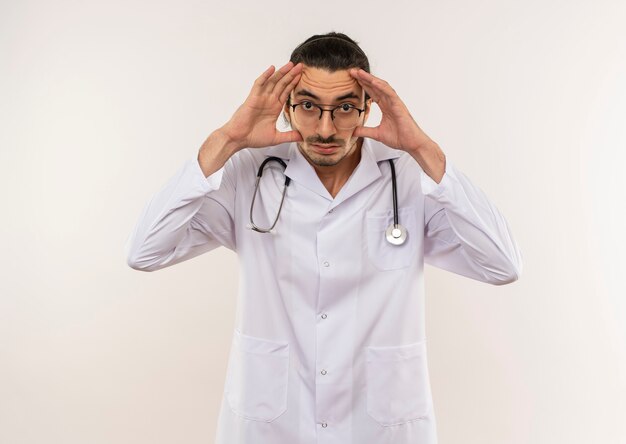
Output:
x=396 y=234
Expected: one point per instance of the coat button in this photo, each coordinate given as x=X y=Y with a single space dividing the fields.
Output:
x=324 y=316
x=323 y=372
x=324 y=425
x=326 y=264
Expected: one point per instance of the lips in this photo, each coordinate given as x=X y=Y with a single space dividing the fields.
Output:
x=325 y=149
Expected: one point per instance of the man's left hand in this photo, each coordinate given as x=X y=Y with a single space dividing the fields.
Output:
x=397 y=128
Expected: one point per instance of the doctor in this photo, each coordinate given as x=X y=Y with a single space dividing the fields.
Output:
x=329 y=344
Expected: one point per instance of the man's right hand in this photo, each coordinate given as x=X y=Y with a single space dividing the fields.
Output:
x=254 y=123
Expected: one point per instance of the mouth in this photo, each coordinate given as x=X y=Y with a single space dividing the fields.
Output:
x=325 y=149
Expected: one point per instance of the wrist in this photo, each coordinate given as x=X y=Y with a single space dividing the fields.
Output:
x=421 y=144
x=215 y=152
x=431 y=159
x=222 y=138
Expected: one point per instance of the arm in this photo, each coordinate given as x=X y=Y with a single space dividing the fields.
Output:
x=194 y=212
x=465 y=233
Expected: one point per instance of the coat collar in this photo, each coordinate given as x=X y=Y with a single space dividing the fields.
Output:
x=366 y=172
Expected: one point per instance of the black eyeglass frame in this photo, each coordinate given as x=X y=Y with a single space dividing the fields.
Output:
x=331 y=111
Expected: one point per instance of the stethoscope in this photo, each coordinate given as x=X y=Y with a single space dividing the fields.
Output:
x=395 y=234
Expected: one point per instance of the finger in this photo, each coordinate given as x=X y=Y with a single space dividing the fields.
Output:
x=379 y=88
x=287 y=90
x=260 y=81
x=366 y=88
x=365 y=131
x=287 y=79
x=271 y=82
x=287 y=136
x=365 y=85
x=364 y=75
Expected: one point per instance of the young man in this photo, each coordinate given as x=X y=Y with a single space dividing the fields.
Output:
x=329 y=344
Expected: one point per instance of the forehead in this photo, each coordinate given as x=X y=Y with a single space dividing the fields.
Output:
x=326 y=85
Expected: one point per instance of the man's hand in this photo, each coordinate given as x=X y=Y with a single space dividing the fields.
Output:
x=254 y=123
x=397 y=128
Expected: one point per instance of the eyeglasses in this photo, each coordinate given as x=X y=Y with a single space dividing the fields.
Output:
x=306 y=114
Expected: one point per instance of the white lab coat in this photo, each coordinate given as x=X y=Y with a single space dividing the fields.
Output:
x=329 y=345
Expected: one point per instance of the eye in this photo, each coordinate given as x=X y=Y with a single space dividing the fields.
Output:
x=306 y=105
x=346 y=107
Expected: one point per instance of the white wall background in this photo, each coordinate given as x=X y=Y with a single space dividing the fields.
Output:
x=101 y=102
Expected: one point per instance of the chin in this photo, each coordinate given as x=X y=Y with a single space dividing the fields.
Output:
x=321 y=160
x=324 y=160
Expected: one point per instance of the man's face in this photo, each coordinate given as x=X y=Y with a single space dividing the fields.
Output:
x=326 y=88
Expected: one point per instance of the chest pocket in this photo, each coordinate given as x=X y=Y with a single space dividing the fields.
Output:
x=382 y=254
x=257 y=378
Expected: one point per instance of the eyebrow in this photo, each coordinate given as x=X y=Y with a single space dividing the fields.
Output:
x=350 y=95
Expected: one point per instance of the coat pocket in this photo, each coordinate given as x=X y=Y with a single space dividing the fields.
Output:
x=257 y=377
x=398 y=386
x=384 y=255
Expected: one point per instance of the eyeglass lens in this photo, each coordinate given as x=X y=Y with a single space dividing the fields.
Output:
x=308 y=114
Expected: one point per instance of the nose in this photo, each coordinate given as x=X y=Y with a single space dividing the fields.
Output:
x=325 y=126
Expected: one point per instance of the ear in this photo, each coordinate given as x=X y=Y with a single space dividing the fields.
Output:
x=286 y=109
x=367 y=111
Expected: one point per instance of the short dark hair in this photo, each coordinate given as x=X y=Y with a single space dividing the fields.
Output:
x=332 y=52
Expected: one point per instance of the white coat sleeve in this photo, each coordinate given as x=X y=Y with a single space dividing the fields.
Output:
x=192 y=214
x=465 y=233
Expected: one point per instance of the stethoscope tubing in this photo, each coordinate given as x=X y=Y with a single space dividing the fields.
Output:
x=395 y=234
x=256 y=189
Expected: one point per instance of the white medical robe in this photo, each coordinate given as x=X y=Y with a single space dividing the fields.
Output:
x=329 y=345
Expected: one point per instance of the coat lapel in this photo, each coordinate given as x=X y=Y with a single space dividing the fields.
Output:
x=367 y=171
x=302 y=172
